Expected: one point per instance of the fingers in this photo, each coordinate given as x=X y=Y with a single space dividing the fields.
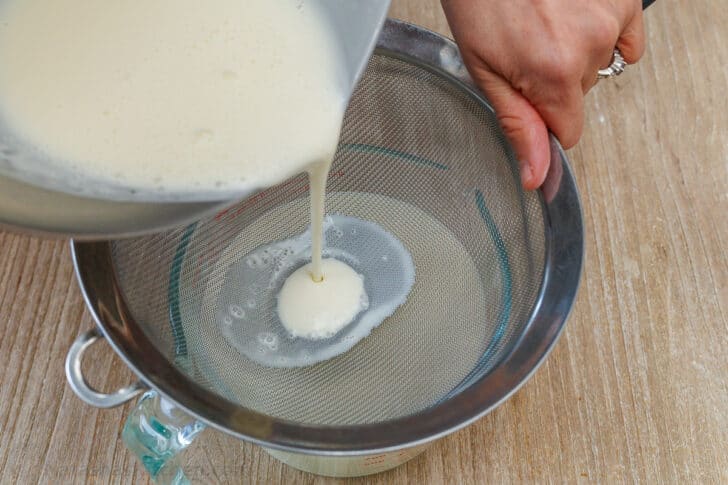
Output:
x=522 y=125
x=539 y=84
x=628 y=37
x=563 y=112
x=632 y=39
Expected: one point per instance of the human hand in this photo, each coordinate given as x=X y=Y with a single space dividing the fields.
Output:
x=536 y=59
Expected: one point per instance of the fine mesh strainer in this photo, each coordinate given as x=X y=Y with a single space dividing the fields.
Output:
x=496 y=271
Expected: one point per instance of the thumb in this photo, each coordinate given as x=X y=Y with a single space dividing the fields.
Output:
x=522 y=125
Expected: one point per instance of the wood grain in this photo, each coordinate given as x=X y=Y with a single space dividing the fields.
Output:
x=637 y=388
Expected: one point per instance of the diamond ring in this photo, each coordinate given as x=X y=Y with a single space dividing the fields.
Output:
x=615 y=68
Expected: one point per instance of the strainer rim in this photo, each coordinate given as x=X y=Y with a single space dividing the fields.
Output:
x=564 y=242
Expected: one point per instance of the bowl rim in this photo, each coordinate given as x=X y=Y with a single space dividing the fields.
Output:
x=564 y=252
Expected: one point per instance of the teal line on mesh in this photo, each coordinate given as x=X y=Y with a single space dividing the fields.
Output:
x=175 y=316
x=505 y=313
x=364 y=148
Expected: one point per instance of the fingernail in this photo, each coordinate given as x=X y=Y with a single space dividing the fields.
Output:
x=526 y=174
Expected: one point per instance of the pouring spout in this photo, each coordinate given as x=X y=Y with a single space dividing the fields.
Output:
x=357 y=25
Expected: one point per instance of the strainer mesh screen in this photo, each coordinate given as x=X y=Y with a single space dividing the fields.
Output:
x=423 y=158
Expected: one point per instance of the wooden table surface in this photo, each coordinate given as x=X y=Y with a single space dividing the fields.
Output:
x=635 y=390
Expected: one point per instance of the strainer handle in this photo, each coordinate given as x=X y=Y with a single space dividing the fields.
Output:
x=81 y=387
x=157 y=432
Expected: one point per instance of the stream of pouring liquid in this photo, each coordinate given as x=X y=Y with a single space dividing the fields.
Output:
x=317 y=174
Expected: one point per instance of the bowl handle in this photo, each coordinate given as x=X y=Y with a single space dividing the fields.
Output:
x=155 y=431
x=81 y=387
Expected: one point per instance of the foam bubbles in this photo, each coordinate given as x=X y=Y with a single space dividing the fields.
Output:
x=268 y=340
x=236 y=311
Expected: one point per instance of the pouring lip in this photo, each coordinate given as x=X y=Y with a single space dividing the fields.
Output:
x=379 y=10
x=564 y=254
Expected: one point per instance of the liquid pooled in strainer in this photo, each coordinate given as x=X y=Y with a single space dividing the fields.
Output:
x=409 y=361
x=266 y=314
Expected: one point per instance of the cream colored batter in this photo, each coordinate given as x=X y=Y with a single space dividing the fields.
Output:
x=181 y=95
x=173 y=95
